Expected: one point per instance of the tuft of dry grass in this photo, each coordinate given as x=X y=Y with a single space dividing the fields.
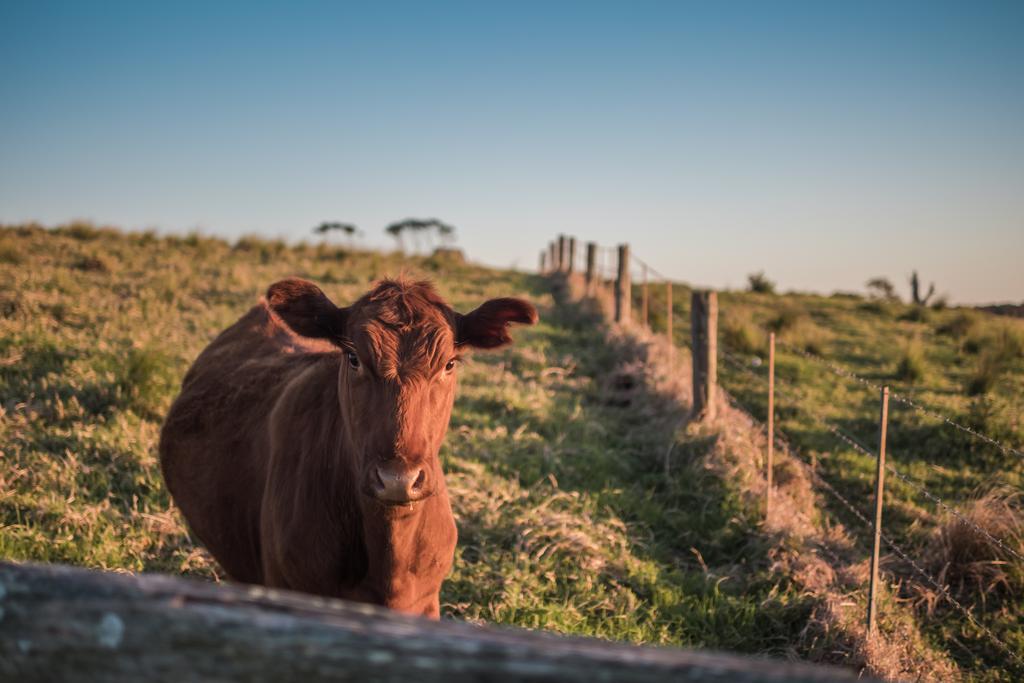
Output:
x=740 y=334
x=912 y=366
x=796 y=327
x=969 y=562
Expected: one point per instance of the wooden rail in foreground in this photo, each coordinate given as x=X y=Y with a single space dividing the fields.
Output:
x=60 y=623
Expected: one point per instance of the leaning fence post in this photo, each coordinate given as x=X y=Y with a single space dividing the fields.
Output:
x=704 y=332
x=591 y=264
x=883 y=424
x=562 y=260
x=771 y=425
x=622 y=286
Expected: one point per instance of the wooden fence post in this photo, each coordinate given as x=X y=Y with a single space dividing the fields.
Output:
x=563 y=261
x=769 y=469
x=883 y=425
x=591 y=265
x=623 y=287
x=572 y=255
x=643 y=299
x=552 y=257
x=668 y=314
x=668 y=327
x=543 y=262
x=704 y=332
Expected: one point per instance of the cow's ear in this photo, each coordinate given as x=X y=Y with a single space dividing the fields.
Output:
x=306 y=309
x=487 y=326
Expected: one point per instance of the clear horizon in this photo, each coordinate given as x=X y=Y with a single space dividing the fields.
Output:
x=822 y=145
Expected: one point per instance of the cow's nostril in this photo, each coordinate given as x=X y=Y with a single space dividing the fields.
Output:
x=418 y=484
x=380 y=480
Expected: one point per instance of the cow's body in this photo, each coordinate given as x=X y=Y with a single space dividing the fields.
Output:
x=262 y=452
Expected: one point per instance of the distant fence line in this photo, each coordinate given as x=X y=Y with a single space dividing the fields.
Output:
x=612 y=268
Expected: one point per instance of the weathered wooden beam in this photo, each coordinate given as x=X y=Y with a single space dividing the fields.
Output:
x=60 y=623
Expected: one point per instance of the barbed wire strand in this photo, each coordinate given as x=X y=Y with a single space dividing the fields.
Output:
x=903 y=555
x=849 y=440
x=650 y=269
x=858 y=446
x=901 y=398
x=943 y=590
x=920 y=488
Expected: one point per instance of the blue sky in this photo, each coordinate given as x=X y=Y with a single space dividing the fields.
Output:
x=822 y=143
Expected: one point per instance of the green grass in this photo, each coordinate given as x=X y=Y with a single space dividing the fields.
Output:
x=961 y=363
x=567 y=518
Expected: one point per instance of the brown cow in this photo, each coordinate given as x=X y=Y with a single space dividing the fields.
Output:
x=303 y=449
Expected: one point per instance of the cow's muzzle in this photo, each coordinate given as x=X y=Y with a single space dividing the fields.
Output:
x=395 y=483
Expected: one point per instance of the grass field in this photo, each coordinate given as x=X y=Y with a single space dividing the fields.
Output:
x=960 y=363
x=569 y=517
x=566 y=519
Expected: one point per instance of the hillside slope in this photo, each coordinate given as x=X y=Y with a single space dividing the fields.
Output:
x=585 y=503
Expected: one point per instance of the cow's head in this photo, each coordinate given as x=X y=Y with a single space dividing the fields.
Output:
x=400 y=347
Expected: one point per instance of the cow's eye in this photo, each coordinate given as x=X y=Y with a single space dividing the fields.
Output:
x=450 y=365
x=353 y=359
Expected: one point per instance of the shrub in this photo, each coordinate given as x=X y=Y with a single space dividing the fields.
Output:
x=882 y=288
x=786 y=319
x=741 y=335
x=917 y=313
x=92 y=264
x=960 y=325
x=990 y=368
x=1003 y=340
x=79 y=230
x=85 y=231
x=912 y=366
x=877 y=306
x=998 y=349
x=795 y=327
x=1008 y=342
x=760 y=283
x=10 y=255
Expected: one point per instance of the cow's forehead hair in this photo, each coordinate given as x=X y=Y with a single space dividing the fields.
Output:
x=407 y=327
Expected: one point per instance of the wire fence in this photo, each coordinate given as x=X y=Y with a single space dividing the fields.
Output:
x=788 y=446
x=908 y=401
x=640 y=272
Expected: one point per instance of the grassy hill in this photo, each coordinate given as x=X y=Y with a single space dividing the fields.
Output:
x=961 y=363
x=584 y=504
x=566 y=520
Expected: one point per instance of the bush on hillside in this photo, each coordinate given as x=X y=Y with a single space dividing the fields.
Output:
x=916 y=314
x=960 y=325
x=760 y=283
x=912 y=366
x=740 y=334
x=882 y=288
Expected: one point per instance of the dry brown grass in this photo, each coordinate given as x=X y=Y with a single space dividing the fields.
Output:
x=970 y=563
x=803 y=545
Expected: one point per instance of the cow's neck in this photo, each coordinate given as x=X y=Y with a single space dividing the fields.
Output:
x=406 y=548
